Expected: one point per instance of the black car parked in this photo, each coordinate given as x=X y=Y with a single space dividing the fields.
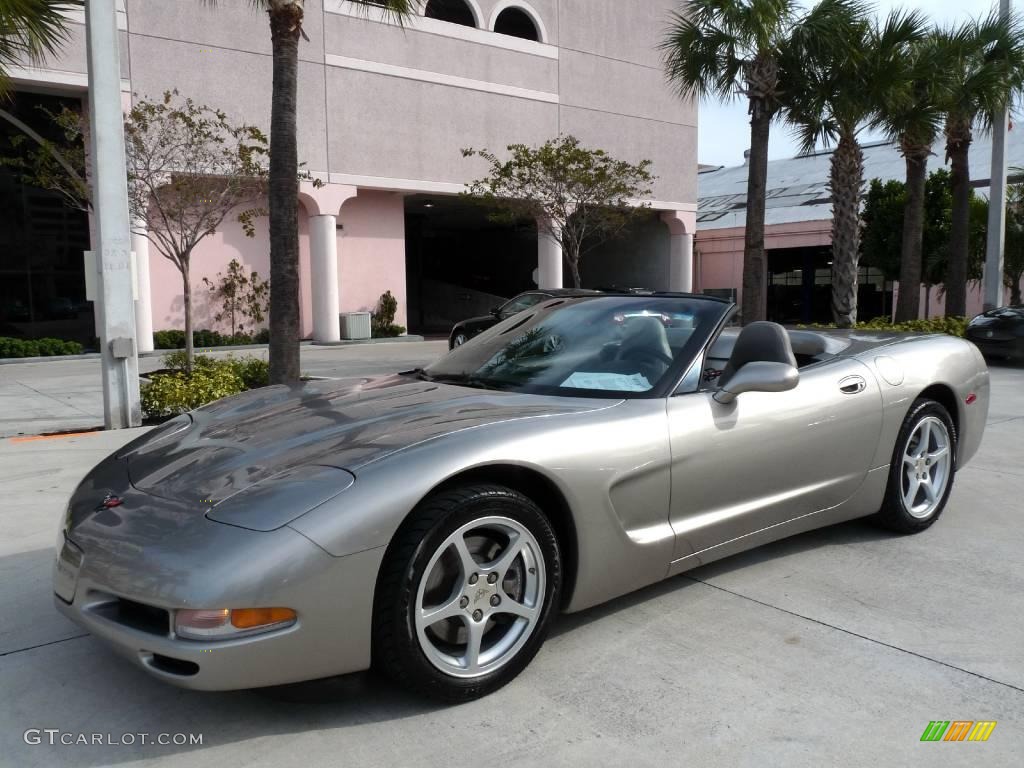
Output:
x=467 y=329
x=999 y=332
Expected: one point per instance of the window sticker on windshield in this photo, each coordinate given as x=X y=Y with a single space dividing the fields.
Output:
x=619 y=382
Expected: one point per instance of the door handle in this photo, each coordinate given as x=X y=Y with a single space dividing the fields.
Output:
x=851 y=385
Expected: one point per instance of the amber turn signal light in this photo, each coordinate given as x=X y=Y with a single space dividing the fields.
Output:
x=248 y=618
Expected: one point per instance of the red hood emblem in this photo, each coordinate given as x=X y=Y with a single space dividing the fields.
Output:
x=110 y=501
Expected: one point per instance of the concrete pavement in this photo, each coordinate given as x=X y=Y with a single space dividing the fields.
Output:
x=64 y=395
x=833 y=648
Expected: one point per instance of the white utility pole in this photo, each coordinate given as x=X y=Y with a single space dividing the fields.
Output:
x=121 y=407
x=993 y=275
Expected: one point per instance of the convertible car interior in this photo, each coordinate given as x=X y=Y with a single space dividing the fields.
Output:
x=632 y=349
x=767 y=342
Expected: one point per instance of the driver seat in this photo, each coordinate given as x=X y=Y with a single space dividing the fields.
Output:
x=759 y=342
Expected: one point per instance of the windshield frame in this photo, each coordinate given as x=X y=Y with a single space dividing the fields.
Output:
x=666 y=386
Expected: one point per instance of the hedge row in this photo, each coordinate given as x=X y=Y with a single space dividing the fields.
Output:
x=175 y=339
x=10 y=347
x=954 y=326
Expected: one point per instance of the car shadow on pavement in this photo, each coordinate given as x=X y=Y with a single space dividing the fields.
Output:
x=55 y=677
x=841 y=534
x=78 y=685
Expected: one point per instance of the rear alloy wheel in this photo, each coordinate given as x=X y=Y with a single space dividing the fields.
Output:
x=466 y=592
x=922 y=470
x=458 y=339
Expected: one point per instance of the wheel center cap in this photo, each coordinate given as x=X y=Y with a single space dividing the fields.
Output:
x=480 y=594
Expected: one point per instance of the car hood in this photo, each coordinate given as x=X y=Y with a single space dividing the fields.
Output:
x=478 y=320
x=217 y=451
x=1004 y=318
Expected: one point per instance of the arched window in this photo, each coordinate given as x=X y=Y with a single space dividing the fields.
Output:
x=453 y=11
x=517 y=23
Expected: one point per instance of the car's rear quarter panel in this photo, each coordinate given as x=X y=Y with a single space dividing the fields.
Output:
x=948 y=369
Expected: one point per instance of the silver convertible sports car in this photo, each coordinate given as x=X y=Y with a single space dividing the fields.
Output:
x=433 y=523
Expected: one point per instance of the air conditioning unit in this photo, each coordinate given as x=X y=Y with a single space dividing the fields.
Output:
x=355 y=325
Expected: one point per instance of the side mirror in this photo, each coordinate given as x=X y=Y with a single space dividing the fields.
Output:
x=496 y=312
x=759 y=377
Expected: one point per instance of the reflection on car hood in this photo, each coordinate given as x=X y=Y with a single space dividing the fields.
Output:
x=239 y=441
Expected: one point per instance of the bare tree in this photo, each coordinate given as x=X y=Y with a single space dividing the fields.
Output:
x=189 y=168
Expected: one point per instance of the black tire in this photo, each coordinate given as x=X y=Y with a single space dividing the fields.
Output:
x=453 y=341
x=396 y=646
x=894 y=513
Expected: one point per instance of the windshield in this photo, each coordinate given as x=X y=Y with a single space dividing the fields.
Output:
x=620 y=345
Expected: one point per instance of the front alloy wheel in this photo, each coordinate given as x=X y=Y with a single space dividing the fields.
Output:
x=480 y=597
x=466 y=592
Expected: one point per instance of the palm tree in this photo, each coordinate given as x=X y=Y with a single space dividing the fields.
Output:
x=721 y=49
x=911 y=114
x=834 y=92
x=986 y=69
x=29 y=30
x=286 y=17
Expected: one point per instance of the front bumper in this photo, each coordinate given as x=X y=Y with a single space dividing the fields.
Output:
x=331 y=636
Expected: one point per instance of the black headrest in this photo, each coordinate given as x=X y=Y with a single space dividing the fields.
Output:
x=759 y=342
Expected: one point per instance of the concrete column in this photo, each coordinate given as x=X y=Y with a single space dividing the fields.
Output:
x=994 y=252
x=323 y=262
x=120 y=362
x=549 y=258
x=144 y=299
x=681 y=264
x=680 y=227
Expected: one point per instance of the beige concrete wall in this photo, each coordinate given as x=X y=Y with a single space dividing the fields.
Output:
x=384 y=107
x=598 y=76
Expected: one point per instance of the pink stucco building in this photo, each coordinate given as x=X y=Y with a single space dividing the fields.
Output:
x=384 y=111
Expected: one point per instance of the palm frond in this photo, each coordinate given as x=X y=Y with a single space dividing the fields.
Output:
x=30 y=30
x=709 y=46
x=912 y=109
x=985 y=67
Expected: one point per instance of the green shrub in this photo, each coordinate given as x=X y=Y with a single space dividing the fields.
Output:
x=169 y=394
x=253 y=371
x=207 y=338
x=10 y=347
x=176 y=392
x=388 y=331
x=202 y=338
x=169 y=339
x=382 y=322
x=178 y=359
x=954 y=326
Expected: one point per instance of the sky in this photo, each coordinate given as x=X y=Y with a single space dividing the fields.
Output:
x=725 y=128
